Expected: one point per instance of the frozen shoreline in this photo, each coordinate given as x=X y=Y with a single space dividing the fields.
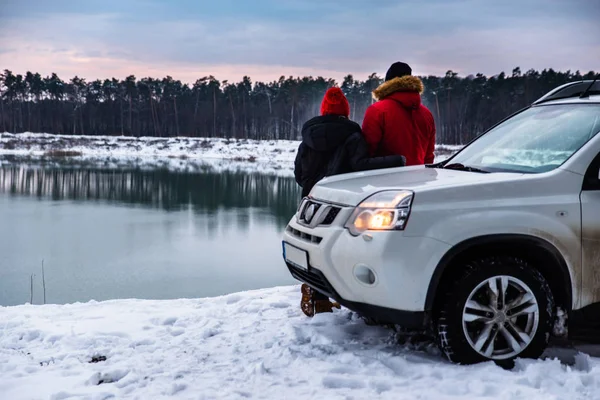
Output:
x=269 y=156
x=254 y=344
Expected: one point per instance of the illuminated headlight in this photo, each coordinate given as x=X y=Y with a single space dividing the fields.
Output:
x=388 y=210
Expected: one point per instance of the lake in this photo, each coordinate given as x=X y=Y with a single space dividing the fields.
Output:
x=129 y=231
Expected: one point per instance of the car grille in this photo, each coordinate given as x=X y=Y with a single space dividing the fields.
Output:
x=314 y=279
x=327 y=217
x=303 y=235
x=331 y=215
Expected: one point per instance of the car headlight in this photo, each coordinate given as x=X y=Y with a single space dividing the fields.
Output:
x=387 y=210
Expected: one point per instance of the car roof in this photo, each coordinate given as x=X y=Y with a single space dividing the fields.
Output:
x=570 y=93
x=593 y=99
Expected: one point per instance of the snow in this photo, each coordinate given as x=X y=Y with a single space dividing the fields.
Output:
x=254 y=344
x=268 y=156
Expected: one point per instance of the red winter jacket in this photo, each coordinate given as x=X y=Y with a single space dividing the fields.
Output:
x=398 y=124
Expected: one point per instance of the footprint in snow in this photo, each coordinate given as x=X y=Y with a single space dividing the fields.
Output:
x=233 y=299
x=253 y=309
x=176 y=388
x=342 y=370
x=210 y=332
x=279 y=304
x=54 y=338
x=380 y=387
x=31 y=335
x=62 y=396
x=109 y=377
x=181 y=374
x=336 y=382
x=169 y=321
x=177 y=332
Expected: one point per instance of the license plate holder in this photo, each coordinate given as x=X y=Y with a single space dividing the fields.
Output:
x=295 y=256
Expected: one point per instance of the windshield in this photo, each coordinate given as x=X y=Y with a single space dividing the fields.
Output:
x=536 y=140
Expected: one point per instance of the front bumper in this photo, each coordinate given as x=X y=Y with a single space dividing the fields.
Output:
x=316 y=280
x=403 y=267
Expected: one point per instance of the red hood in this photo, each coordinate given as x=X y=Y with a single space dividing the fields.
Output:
x=411 y=100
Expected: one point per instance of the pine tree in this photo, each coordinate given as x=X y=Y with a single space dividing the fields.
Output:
x=462 y=107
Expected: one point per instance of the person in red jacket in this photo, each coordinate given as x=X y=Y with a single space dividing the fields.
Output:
x=398 y=124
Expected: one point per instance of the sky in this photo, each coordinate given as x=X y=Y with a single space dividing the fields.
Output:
x=265 y=39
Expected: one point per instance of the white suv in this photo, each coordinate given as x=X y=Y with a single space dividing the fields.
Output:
x=487 y=249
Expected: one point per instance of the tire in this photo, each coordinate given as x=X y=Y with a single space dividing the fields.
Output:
x=477 y=332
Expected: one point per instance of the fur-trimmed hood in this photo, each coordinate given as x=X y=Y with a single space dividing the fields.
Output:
x=406 y=83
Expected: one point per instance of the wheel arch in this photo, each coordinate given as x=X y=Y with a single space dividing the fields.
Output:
x=546 y=257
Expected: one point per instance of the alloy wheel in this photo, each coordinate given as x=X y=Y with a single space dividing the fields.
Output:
x=500 y=317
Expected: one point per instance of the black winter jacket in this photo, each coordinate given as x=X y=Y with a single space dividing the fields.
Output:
x=333 y=145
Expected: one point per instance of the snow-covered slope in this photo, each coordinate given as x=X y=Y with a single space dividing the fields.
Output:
x=248 y=345
x=268 y=154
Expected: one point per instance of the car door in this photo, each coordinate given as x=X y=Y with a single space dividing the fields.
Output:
x=590 y=234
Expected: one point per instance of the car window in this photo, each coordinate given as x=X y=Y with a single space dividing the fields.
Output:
x=537 y=140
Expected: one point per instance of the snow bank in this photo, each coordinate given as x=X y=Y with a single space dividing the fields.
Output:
x=254 y=344
x=272 y=155
x=266 y=155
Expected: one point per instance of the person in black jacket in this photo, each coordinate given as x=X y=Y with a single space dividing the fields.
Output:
x=332 y=144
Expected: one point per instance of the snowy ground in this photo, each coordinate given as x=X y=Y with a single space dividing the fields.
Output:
x=270 y=156
x=254 y=344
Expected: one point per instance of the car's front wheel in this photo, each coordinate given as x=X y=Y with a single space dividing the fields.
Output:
x=499 y=309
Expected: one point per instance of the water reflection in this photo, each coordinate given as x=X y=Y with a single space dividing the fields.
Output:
x=110 y=231
x=204 y=190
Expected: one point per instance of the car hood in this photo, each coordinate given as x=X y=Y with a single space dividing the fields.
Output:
x=351 y=189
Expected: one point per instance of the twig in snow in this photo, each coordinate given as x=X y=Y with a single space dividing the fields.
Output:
x=31 y=289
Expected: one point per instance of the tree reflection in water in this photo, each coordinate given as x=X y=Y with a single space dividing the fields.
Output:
x=203 y=190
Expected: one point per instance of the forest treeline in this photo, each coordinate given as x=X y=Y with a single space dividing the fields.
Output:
x=462 y=107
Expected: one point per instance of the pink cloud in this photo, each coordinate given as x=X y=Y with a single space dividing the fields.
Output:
x=68 y=63
x=99 y=47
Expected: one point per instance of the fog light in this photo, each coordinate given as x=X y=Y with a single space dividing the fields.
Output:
x=365 y=275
